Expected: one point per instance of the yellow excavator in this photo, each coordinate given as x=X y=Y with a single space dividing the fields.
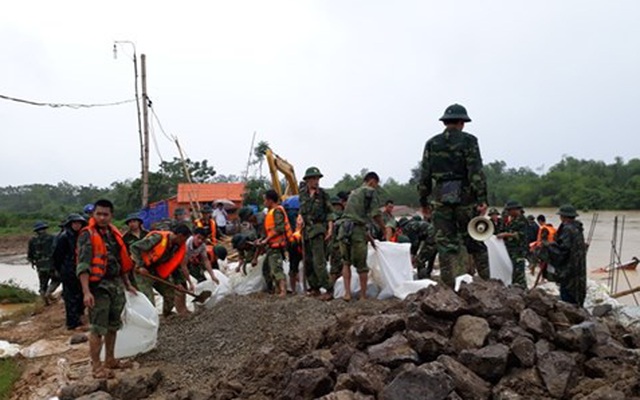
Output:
x=277 y=165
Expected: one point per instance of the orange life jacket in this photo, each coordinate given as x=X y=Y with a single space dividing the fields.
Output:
x=550 y=229
x=212 y=227
x=99 y=258
x=278 y=241
x=151 y=257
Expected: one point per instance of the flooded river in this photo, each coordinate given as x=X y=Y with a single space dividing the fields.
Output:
x=599 y=253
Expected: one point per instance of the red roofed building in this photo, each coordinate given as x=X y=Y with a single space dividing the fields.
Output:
x=189 y=193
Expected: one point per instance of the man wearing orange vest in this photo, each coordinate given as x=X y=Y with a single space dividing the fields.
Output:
x=160 y=254
x=209 y=223
x=278 y=234
x=102 y=267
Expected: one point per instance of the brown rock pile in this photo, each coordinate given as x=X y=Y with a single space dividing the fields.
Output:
x=487 y=341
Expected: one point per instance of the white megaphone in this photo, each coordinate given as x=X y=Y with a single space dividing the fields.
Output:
x=480 y=228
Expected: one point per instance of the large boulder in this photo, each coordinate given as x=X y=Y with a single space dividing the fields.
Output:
x=442 y=301
x=370 y=330
x=578 y=337
x=429 y=381
x=558 y=372
x=81 y=388
x=489 y=363
x=420 y=322
x=524 y=350
x=346 y=395
x=520 y=384
x=136 y=384
x=393 y=352
x=539 y=301
x=369 y=378
x=486 y=298
x=534 y=323
x=466 y=383
x=469 y=332
x=428 y=345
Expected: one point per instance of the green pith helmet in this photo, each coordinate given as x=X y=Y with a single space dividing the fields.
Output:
x=74 y=218
x=38 y=226
x=312 y=172
x=133 y=216
x=568 y=210
x=403 y=221
x=512 y=205
x=455 y=112
x=416 y=218
x=207 y=209
x=220 y=251
x=336 y=200
x=494 y=211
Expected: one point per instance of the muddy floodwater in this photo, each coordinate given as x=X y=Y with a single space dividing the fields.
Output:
x=599 y=252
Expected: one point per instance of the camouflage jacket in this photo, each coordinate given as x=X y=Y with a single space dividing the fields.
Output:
x=363 y=205
x=40 y=251
x=516 y=246
x=451 y=170
x=316 y=211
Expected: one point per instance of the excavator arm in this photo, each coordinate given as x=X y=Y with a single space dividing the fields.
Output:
x=277 y=165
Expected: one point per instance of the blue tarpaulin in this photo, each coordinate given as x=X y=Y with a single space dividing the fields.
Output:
x=292 y=202
x=157 y=211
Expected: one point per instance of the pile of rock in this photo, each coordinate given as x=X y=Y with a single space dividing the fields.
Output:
x=487 y=341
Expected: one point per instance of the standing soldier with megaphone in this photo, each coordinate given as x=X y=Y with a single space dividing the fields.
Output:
x=451 y=172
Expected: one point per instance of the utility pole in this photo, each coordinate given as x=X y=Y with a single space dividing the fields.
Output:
x=145 y=131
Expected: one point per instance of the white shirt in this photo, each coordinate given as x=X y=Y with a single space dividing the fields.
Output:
x=199 y=251
x=220 y=215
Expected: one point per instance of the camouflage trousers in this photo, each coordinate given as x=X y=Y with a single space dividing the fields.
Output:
x=458 y=252
x=335 y=258
x=146 y=286
x=48 y=280
x=106 y=315
x=424 y=259
x=315 y=263
x=518 y=276
x=273 y=263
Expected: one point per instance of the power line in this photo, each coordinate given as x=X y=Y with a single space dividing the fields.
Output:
x=65 y=105
x=171 y=138
x=155 y=141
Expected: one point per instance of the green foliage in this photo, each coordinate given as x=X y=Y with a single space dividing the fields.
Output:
x=9 y=374
x=11 y=293
x=254 y=189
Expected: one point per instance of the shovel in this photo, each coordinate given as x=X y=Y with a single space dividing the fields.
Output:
x=198 y=298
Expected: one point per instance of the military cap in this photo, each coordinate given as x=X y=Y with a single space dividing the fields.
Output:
x=512 y=205
x=403 y=221
x=244 y=213
x=179 y=211
x=568 y=210
x=342 y=195
x=74 y=218
x=494 y=211
x=133 y=216
x=455 y=112
x=312 y=172
x=238 y=240
x=416 y=218
x=207 y=209
x=88 y=209
x=39 y=225
x=531 y=217
x=336 y=200
x=220 y=251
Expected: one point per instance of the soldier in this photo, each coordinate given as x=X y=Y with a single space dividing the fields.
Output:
x=362 y=207
x=208 y=223
x=568 y=256
x=135 y=231
x=196 y=259
x=335 y=259
x=278 y=233
x=496 y=219
x=426 y=250
x=39 y=254
x=161 y=254
x=103 y=264
x=316 y=217
x=64 y=262
x=451 y=172
x=514 y=234
x=244 y=244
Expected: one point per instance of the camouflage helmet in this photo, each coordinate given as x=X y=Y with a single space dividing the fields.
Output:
x=74 y=218
x=312 y=172
x=494 y=211
x=568 y=210
x=207 y=209
x=132 y=217
x=512 y=205
x=336 y=200
x=39 y=225
x=455 y=112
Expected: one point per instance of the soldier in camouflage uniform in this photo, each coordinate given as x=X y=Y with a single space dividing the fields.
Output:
x=451 y=172
x=496 y=219
x=335 y=259
x=103 y=263
x=362 y=207
x=514 y=234
x=243 y=243
x=277 y=231
x=316 y=214
x=568 y=257
x=40 y=254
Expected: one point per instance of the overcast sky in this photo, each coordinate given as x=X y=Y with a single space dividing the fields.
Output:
x=339 y=84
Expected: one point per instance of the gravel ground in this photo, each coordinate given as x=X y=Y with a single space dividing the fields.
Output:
x=212 y=344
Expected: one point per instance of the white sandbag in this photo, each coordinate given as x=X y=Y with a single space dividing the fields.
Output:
x=466 y=278
x=338 y=287
x=139 y=332
x=253 y=282
x=409 y=287
x=8 y=349
x=500 y=266
x=391 y=265
x=218 y=291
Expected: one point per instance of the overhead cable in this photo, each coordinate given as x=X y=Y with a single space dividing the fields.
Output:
x=65 y=105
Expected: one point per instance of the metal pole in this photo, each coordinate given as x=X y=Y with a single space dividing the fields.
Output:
x=145 y=144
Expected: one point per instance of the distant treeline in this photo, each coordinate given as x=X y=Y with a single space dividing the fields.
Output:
x=587 y=184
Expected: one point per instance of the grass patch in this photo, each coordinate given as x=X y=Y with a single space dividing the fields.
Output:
x=9 y=374
x=11 y=292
